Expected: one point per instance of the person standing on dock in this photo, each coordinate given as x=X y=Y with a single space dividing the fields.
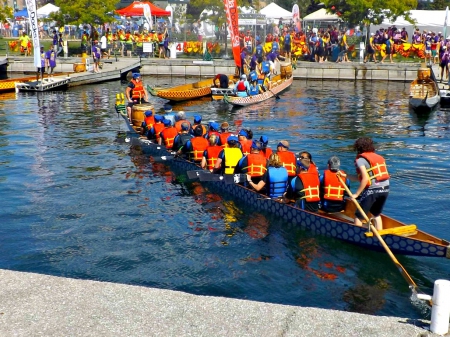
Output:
x=50 y=62
x=373 y=189
x=55 y=41
x=41 y=70
x=135 y=93
x=96 y=54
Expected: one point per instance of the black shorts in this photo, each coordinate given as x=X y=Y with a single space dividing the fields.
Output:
x=287 y=48
x=372 y=200
x=41 y=70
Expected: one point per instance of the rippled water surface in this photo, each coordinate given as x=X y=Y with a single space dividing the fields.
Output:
x=78 y=201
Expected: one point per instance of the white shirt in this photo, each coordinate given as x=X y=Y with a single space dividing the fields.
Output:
x=103 y=42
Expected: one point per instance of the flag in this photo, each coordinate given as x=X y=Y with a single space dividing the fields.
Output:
x=231 y=11
x=445 y=23
x=296 y=17
x=148 y=15
x=34 y=29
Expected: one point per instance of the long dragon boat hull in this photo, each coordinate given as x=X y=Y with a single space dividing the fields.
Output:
x=401 y=238
x=278 y=85
x=184 y=92
x=424 y=91
x=9 y=84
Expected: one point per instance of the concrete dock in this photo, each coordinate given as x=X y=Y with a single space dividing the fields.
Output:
x=40 y=305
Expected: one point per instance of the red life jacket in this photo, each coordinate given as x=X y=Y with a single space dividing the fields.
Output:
x=181 y=121
x=168 y=135
x=212 y=154
x=241 y=86
x=256 y=165
x=246 y=146
x=266 y=152
x=157 y=128
x=311 y=185
x=199 y=145
x=289 y=161
x=377 y=171
x=332 y=187
x=138 y=90
x=149 y=121
x=210 y=133
x=223 y=137
x=313 y=168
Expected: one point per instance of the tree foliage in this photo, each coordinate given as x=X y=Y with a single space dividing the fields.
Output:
x=370 y=11
x=84 y=11
x=5 y=11
x=217 y=7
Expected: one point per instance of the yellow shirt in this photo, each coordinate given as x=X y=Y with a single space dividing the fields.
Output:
x=24 y=41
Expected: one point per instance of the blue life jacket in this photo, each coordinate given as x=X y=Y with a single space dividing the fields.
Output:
x=278 y=181
x=275 y=46
x=287 y=39
x=265 y=67
x=254 y=90
x=253 y=76
x=259 y=50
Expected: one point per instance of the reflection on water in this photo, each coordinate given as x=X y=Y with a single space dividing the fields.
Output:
x=81 y=202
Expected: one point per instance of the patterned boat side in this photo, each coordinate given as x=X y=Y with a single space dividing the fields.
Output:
x=318 y=223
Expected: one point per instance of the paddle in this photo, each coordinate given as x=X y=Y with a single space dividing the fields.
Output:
x=208 y=176
x=402 y=270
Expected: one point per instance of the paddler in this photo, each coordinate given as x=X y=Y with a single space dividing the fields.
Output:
x=155 y=132
x=196 y=146
x=182 y=138
x=180 y=119
x=168 y=134
x=306 y=187
x=211 y=153
x=253 y=164
x=245 y=141
x=198 y=122
x=228 y=157
x=287 y=158
x=265 y=151
x=135 y=93
x=373 y=189
x=224 y=133
x=331 y=189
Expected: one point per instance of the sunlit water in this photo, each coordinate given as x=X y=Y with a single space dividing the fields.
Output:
x=78 y=201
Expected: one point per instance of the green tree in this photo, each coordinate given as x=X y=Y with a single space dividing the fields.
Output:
x=5 y=11
x=439 y=4
x=217 y=7
x=370 y=11
x=84 y=11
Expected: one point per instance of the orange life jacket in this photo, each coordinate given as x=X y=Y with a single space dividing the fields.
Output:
x=377 y=171
x=212 y=154
x=246 y=146
x=256 y=165
x=313 y=168
x=266 y=152
x=289 y=161
x=149 y=121
x=181 y=121
x=199 y=145
x=158 y=127
x=204 y=131
x=138 y=90
x=223 y=137
x=311 y=185
x=332 y=187
x=168 y=135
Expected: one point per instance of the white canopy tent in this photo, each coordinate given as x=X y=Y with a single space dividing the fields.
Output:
x=273 y=11
x=321 y=15
x=47 y=9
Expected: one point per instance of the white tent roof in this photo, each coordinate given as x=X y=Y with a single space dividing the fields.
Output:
x=321 y=15
x=47 y=9
x=273 y=11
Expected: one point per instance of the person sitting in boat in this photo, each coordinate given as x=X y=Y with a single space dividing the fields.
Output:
x=182 y=138
x=180 y=118
x=274 y=180
x=245 y=141
x=253 y=164
x=198 y=122
x=305 y=188
x=228 y=157
x=255 y=88
x=221 y=81
x=287 y=158
x=148 y=122
x=213 y=130
x=262 y=70
x=265 y=151
x=331 y=189
x=224 y=133
x=168 y=134
x=155 y=132
x=303 y=157
x=211 y=154
x=195 y=147
x=373 y=189
x=242 y=87
x=168 y=113
x=135 y=93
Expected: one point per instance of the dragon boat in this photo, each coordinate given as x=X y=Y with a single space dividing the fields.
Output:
x=401 y=238
x=279 y=82
x=183 y=92
x=9 y=84
x=424 y=92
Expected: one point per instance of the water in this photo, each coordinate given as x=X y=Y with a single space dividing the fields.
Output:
x=78 y=201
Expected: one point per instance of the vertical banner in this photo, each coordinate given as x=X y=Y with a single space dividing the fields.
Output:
x=34 y=31
x=445 y=23
x=148 y=15
x=296 y=17
x=170 y=9
x=231 y=11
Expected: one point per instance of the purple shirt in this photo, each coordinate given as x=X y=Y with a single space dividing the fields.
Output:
x=50 y=55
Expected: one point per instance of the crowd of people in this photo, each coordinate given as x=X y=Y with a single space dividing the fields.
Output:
x=279 y=174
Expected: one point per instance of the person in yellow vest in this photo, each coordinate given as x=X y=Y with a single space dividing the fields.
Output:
x=129 y=40
x=139 y=43
x=228 y=157
x=122 y=42
x=24 y=44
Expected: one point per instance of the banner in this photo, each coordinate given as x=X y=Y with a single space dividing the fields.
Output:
x=34 y=31
x=148 y=15
x=231 y=11
x=445 y=23
x=296 y=17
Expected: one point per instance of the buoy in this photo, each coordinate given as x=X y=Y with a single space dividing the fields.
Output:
x=440 y=312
